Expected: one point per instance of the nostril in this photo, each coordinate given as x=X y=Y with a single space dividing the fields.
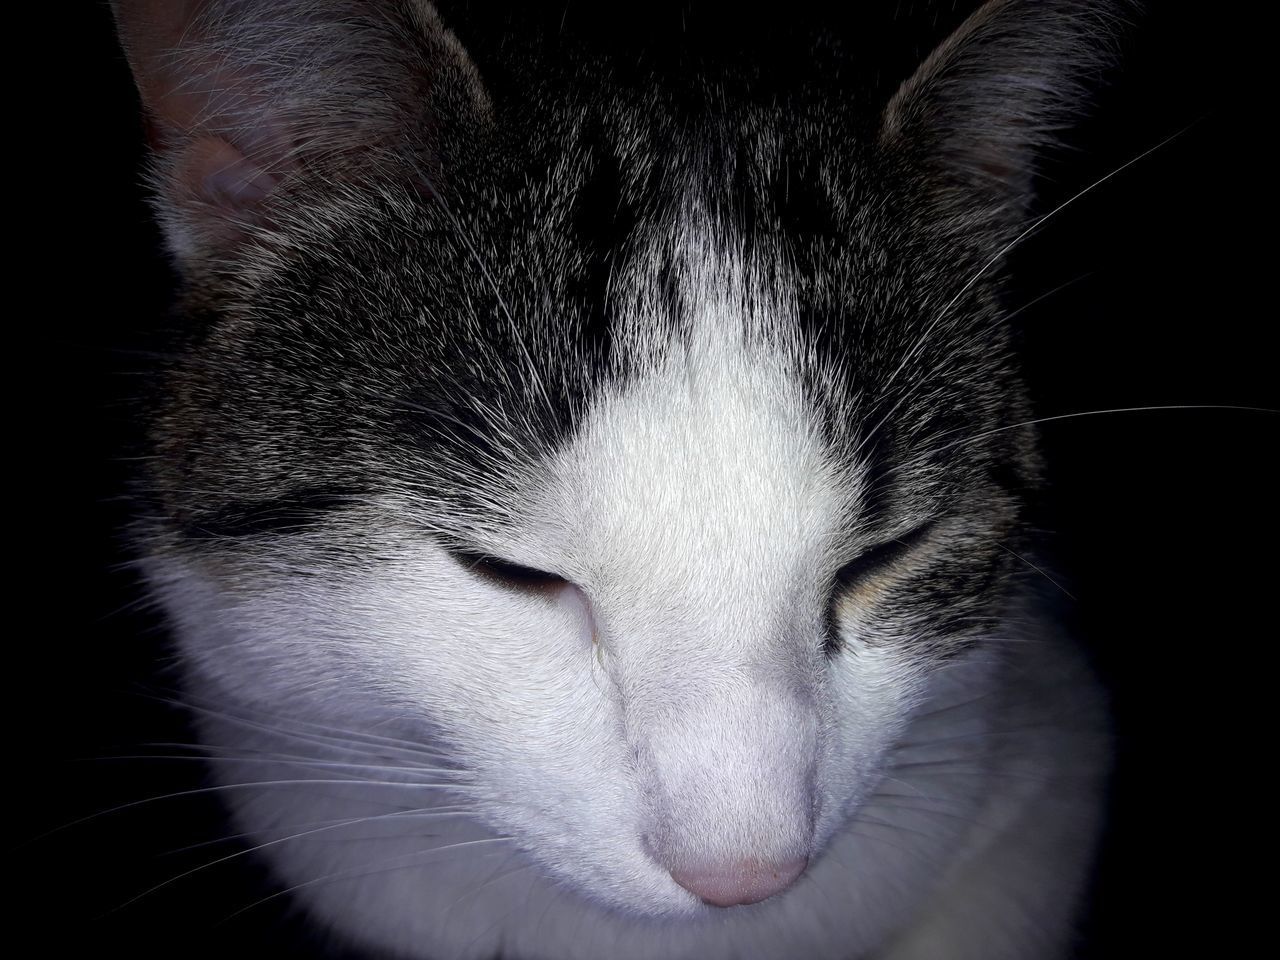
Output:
x=747 y=881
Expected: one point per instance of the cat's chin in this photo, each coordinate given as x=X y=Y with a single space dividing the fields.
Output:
x=510 y=903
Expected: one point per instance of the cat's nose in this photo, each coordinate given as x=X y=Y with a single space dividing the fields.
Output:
x=732 y=884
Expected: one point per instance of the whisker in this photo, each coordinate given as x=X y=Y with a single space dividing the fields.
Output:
x=354 y=874
x=231 y=837
x=494 y=877
x=335 y=737
x=516 y=335
x=898 y=804
x=280 y=760
x=1151 y=408
x=913 y=851
x=1000 y=254
x=198 y=791
x=955 y=769
x=1035 y=301
x=861 y=817
x=417 y=813
x=986 y=735
x=1036 y=568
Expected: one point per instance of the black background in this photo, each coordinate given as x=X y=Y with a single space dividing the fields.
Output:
x=1162 y=523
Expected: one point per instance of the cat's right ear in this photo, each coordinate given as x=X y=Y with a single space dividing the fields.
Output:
x=971 y=126
x=254 y=108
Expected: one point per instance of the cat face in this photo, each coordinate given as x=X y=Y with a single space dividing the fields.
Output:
x=743 y=605
x=636 y=449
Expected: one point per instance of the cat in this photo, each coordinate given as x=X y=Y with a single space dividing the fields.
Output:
x=589 y=501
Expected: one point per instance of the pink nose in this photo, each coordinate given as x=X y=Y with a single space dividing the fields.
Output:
x=748 y=881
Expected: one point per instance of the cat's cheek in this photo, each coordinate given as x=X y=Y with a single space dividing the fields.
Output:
x=224 y=639
x=873 y=692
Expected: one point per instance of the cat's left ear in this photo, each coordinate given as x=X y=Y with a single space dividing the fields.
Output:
x=260 y=109
x=969 y=127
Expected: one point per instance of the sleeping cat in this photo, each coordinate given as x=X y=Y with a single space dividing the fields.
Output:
x=589 y=500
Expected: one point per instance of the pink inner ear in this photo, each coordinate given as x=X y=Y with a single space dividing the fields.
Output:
x=214 y=171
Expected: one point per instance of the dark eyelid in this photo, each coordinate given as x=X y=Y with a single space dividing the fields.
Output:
x=867 y=564
x=506 y=573
x=881 y=556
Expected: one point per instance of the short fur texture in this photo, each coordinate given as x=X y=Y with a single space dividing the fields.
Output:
x=583 y=475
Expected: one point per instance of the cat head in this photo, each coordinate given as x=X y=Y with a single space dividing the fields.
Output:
x=653 y=446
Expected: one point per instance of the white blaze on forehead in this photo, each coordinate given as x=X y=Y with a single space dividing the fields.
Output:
x=700 y=485
x=701 y=505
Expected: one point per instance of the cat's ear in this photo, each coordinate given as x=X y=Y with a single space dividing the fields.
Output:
x=256 y=107
x=972 y=122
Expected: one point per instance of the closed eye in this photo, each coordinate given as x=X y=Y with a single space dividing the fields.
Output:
x=504 y=573
x=880 y=558
x=859 y=580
